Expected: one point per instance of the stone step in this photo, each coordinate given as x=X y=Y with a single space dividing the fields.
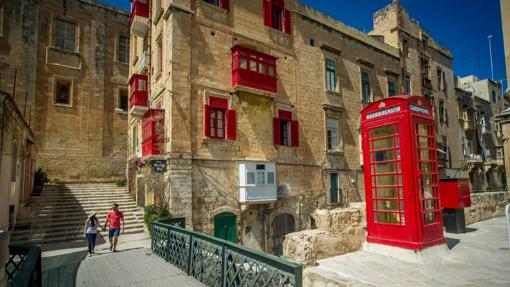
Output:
x=79 y=192
x=81 y=197
x=69 y=204
x=92 y=189
x=69 y=239
x=64 y=229
x=50 y=221
x=86 y=209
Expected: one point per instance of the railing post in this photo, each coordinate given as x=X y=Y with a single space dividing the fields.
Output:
x=38 y=280
x=223 y=267
x=190 y=254
x=507 y=217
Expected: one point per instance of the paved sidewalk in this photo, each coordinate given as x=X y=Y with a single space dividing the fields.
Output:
x=477 y=258
x=138 y=267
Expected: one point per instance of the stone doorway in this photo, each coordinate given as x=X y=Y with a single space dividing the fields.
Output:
x=225 y=226
x=283 y=224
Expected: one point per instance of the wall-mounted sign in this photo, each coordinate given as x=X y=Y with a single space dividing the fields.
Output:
x=419 y=109
x=383 y=112
x=158 y=165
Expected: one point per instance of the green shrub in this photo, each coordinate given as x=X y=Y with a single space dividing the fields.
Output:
x=40 y=177
x=152 y=213
x=121 y=182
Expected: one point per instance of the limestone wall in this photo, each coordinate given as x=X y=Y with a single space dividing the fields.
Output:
x=486 y=206
x=339 y=231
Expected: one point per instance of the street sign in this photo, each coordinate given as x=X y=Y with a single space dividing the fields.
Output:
x=159 y=165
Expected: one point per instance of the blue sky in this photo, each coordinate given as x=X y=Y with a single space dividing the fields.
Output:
x=460 y=25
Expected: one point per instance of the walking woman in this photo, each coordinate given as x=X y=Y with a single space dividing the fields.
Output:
x=90 y=231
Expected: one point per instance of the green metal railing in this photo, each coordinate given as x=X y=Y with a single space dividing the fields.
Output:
x=219 y=263
x=24 y=266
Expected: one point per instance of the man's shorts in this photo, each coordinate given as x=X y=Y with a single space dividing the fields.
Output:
x=114 y=232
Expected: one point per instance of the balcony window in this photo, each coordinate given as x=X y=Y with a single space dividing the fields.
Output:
x=253 y=69
x=65 y=35
x=286 y=130
x=139 y=17
x=276 y=16
x=257 y=182
x=220 y=122
x=153 y=124
x=224 y=4
x=138 y=84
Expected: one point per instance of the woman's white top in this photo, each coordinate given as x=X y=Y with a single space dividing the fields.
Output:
x=91 y=226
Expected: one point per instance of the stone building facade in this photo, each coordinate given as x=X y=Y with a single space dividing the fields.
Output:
x=256 y=117
x=505 y=19
x=17 y=153
x=66 y=62
x=427 y=69
x=479 y=102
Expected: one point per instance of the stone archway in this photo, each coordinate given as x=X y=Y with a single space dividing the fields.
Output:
x=282 y=225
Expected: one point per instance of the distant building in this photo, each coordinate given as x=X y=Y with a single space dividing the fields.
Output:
x=488 y=101
x=427 y=70
x=66 y=65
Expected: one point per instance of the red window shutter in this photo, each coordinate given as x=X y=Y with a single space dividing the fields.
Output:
x=294 y=133
x=286 y=22
x=231 y=125
x=207 y=121
x=267 y=13
x=276 y=131
x=225 y=4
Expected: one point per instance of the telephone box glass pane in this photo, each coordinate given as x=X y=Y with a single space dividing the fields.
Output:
x=386 y=172
x=427 y=172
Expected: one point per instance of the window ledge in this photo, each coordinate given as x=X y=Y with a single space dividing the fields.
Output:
x=277 y=31
x=333 y=93
x=335 y=151
x=64 y=51
x=335 y=204
x=62 y=105
x=121 y=111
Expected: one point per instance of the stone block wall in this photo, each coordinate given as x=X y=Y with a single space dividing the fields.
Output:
x=486 y=205
x=339 y=231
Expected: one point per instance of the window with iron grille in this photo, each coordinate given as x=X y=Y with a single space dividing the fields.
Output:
x=65 y=35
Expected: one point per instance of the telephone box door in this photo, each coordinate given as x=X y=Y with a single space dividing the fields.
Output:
x=427 y=183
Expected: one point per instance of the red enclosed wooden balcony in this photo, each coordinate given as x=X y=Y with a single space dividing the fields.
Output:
x=139 y=17
x=139 y=98
x=153 y=132
x=254 y=70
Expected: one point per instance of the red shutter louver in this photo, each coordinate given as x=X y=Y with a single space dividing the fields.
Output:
x=276 y=131
x=286 y=22
x=294 y=133
x=231 y=125
x=224 y=4
x=207 y=121
x=267 y=13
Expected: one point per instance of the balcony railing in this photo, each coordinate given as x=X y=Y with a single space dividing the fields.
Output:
x=219 y=263
x=139 y=17
x=24 y=266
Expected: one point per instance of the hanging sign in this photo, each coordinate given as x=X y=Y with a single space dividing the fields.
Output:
x=158 y=165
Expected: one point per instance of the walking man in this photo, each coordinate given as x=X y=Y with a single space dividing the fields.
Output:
x=113 y=219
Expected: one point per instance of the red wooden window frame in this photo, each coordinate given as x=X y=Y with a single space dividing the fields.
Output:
x=138 y=94
x=224 y=4
x=219 y=106
x=153 y=130
x=269 y=18
x=253 y=69
x=294 y=128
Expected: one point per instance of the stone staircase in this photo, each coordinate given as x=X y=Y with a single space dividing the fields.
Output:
x=59 y=212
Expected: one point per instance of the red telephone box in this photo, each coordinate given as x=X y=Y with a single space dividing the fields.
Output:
x=401 y=174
